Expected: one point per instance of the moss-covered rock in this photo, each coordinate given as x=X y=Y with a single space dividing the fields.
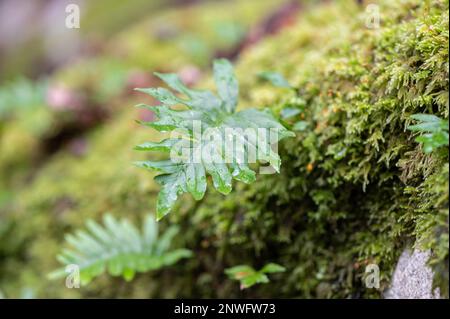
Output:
x=354 y=189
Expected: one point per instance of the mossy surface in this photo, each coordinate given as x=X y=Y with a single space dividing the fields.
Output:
x=354 y=189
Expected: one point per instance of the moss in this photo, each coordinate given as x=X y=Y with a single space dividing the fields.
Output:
x=356 y=184
x=355 y=188
x=344 y=197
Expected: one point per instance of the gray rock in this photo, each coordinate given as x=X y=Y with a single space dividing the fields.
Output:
x=413 y=278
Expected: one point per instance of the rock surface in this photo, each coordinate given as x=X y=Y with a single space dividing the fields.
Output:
x=413 y=278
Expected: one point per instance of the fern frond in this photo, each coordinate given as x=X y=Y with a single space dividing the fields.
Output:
x=119 y=249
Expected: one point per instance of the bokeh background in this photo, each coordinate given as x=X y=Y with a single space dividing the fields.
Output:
x=66 y=99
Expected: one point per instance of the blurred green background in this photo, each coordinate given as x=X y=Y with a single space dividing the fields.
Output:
x=66 y=100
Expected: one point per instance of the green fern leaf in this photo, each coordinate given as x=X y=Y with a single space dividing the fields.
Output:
x=433 y=129
x=248 y=276
x=118 y=248
x=186 y=171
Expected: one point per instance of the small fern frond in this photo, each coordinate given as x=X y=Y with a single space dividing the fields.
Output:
x=119 y=249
